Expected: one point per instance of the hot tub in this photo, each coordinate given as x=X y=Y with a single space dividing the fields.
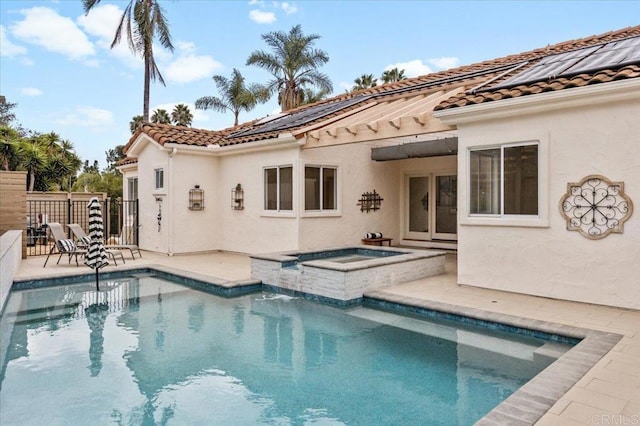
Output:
x=344 y=274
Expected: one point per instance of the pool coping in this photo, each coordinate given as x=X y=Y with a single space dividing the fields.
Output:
x=524 y=407
x=532 y=400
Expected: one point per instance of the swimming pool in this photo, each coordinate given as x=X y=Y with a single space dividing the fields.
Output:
x=146 y=350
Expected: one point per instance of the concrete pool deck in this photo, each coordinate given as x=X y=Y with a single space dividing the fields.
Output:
x=608 y=394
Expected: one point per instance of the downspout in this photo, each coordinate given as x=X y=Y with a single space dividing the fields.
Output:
x=170 y=204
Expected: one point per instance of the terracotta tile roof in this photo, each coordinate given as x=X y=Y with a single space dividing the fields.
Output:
x=127 y=160
x=604 y=76
x=490 y=73
x=488 y=93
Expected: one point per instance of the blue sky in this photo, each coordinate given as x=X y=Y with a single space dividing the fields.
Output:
x=56 y=63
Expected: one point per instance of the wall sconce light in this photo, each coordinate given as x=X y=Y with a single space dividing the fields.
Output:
x=237 y=198
x=196 y=198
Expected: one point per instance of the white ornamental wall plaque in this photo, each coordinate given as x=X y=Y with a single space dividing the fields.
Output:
x=596 y=207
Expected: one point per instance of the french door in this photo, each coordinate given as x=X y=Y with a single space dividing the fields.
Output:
x=431 y=206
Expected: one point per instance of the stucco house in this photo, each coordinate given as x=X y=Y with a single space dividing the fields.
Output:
x=493 y=159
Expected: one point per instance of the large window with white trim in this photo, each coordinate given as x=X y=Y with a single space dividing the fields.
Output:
x=504 y=180
x=278 y=188
x=320 y=188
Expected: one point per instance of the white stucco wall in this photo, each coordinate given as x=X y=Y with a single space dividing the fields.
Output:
x=192 y=231
x=576 y=140
x=253 y=230
x=359 y=174
x=150 y=238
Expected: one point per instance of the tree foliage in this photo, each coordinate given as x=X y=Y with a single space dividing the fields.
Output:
x=365 y=81
x=161 y=116
x=235 y=95
x=393 y=75
x=142 y=22
x=293 y=63
x=181 y=115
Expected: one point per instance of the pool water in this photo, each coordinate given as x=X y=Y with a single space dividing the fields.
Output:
x=148 y=351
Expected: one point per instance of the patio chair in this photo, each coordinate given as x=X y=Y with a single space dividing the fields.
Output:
x=62 y=244
x=82 y=240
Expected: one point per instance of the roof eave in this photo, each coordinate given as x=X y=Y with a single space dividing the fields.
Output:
x=542 y=102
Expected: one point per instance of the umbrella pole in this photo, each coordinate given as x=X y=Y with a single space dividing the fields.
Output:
x=97 y=285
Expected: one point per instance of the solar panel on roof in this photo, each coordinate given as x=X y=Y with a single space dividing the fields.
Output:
x=300 y=118
x=588 y=59
x=548 y=67
x=614 y=54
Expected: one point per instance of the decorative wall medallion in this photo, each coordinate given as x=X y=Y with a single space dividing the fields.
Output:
x=596 y=207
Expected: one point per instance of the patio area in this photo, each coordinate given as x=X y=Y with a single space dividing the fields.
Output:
x=608 y=394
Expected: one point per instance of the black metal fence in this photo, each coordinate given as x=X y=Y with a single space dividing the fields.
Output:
x=120 y=218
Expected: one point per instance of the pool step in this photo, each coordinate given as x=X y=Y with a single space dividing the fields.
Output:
x=551 y=350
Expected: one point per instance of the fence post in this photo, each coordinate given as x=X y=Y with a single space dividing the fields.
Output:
x=69 y=207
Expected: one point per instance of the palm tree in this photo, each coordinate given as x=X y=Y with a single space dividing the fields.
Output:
x=181 y=116
x=294 y=65
x=393 y=75
x=135 y=122
x=161 y=116
x=235 y=95
x=9 y=139
x=34 y=160
x=309 y=96
x=142 y=21
x=365 y=81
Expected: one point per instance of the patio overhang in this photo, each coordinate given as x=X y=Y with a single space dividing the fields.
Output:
x=433 y=148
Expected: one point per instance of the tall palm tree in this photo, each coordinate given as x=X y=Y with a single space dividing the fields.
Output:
x=294 y=64
x=161 y=116
x=365 y=81
x=181 y=116
x=142 y=21
x=393 y=75
x=135 y=122
x=235 y=95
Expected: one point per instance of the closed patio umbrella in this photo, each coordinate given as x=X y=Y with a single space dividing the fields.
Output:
x=96 y=257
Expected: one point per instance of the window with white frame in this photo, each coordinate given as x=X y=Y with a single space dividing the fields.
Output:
x=132 y=195
x=278 y=188
x=504 y=180
x=159 y=178
x=320 y=188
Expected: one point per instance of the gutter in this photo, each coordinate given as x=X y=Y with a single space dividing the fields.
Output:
x=283 y=141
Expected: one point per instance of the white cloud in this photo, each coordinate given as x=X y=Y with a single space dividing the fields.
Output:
x=412 y=68
x=258 y=2
x=31 y=91
x=445 y=62
x=45 y=27
x=289 y=8
x=190 y=67
x=8 y=48
x=262 y=17
x=86 y=116
x=185 y=46
x=102 y=23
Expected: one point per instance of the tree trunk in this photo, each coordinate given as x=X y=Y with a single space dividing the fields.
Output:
x=32 y=180
x=147 y=78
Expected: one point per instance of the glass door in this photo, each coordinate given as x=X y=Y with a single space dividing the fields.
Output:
x=418 y=218
x=431 y=207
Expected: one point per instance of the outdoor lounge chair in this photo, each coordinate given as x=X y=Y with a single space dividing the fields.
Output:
x=62 y=244
x=69 y=247
x=82 y=240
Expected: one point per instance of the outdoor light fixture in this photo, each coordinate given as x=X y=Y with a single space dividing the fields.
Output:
x=237 y=198
x=196 y=198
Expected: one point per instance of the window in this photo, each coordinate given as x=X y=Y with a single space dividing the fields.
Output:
x=132 y=192
x=159 y=178
x=278 y=188
x=504 y=180
x=320 y=188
